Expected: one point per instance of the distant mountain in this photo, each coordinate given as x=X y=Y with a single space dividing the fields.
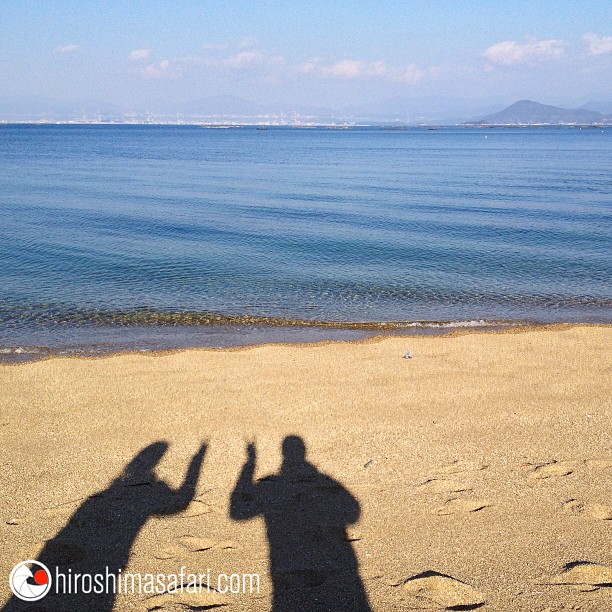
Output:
x=429 y=109
x=527 y=112
x=601 y=107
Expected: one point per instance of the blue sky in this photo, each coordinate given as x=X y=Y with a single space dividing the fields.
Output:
x=306 y=53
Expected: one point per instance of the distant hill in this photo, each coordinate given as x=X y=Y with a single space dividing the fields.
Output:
x=601 y=107
x=527 y=112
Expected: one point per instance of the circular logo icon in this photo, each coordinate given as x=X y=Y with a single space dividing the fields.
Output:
x=30 y=580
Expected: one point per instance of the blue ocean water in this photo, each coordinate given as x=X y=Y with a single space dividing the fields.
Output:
x=127 y=232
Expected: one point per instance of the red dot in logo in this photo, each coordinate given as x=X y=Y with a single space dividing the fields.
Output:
x=40 y=577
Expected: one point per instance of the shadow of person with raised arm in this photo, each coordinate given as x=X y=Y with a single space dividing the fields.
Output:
x=313 y=565
x=100 y=534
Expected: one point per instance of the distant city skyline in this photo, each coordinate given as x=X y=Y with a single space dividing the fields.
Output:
x=161 y=56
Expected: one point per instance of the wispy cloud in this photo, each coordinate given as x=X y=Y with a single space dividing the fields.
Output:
x=248 y=58
x=359 y=69
x=158 y=71
x=411 y=73
x=67 y=48
x=244 y=58
x=353 y=69
x=597 y=45
x=510 y=52
x=140 y=54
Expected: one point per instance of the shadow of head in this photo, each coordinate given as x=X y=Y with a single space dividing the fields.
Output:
x=294 y=450
x=142 y=465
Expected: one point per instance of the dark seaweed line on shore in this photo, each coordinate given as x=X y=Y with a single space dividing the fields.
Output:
x=151 y=317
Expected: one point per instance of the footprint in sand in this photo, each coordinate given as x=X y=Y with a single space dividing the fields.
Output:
x=596 y=511
x=443 y=590
x=554 y=469
x=456 y=505
x=583 y=574
x=169 y=551
x=458 y=466
x=192 y=544
x=195 y=508
x=442 y=485
x=206 y=598
x=197 y=544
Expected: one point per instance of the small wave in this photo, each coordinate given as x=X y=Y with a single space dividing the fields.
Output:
x=21 y=350
x=459 y=324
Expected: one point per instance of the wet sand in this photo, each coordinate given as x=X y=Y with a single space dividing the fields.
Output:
x=476 y=473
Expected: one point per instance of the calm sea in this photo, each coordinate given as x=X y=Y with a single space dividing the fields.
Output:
x=161 y=236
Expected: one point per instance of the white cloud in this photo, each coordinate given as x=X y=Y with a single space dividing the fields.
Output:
x=140 y=54
x=358 y=69
x=411 y=73
x=67 y=48
x=244 y=58
x=597 y=45
x=158 y=71
x=510 y=52
x=348 y=69
x=269 y=66
x=307 y=67
x=237 y=61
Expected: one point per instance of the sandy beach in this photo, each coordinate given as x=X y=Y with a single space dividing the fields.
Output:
x=476 y=473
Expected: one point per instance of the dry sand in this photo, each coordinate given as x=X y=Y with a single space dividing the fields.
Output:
x=482 y=466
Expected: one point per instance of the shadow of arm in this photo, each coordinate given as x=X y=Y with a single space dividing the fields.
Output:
x=243 y=503
x=184 y=494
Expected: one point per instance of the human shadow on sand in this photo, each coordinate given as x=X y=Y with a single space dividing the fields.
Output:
x=101 y=532
x=306 y=512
